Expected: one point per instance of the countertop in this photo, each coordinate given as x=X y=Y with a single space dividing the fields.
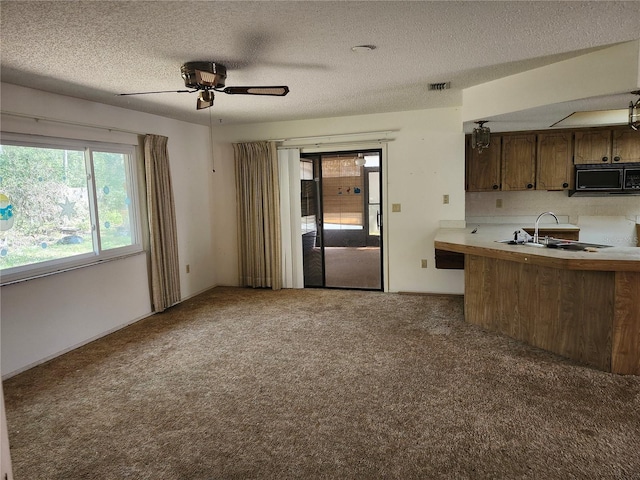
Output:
x=485 y=242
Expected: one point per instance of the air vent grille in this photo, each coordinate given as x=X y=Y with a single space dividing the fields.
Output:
x=440 y=86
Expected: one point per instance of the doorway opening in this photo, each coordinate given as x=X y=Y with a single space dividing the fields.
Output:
x=341 y=199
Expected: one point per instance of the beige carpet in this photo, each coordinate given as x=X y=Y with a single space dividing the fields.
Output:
x=310 y=384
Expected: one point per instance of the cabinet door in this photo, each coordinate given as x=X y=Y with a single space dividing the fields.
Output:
x=518 y=162
x=483 y=169
x=592 y=146
x=626 y=146
x=554 y=166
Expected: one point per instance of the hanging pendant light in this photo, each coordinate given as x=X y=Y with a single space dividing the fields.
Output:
x=481 y=136
x=634 y=114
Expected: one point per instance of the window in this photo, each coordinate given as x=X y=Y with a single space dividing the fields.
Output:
x=64 y=203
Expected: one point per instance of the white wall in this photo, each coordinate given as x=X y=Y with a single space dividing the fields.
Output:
x=45 y=317
x=424 y=161
x=606 y=71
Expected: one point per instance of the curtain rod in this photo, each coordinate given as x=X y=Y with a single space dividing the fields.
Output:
x=318 y=137
x=336 y=144
x=39 y=118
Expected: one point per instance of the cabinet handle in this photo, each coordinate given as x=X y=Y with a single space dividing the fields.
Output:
x=495 y=187
x=529 y=185
x=616 y=159
x=565 y=185
x=605 y=159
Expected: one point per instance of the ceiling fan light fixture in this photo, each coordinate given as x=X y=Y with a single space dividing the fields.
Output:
x=481 y=136
x=634 y=113
x=205 y=99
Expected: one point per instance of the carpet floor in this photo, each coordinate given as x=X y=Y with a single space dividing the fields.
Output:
x=319 y=384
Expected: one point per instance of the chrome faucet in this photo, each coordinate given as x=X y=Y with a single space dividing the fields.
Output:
x=535 y=233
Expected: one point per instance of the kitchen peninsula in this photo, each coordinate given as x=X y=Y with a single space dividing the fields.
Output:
x=582 y=305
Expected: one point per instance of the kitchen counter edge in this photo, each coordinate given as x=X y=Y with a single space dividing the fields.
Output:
x=485 y=243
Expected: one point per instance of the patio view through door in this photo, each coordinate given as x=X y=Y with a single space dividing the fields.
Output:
x=342 y=219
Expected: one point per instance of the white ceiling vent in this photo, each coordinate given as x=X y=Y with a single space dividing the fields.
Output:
x=440 y=86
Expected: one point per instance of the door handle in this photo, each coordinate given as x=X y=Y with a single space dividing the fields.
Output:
x=378 y=219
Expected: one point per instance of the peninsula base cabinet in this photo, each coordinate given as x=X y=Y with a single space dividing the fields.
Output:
x=589 y=316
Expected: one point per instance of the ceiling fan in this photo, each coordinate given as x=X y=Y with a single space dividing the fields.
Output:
x=209 y=77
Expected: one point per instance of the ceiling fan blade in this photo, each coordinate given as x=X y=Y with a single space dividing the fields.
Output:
x=273 y=91
x=205 y=100
x=161 y=91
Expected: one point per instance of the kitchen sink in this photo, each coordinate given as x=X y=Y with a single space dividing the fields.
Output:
x=572 y=244
x=559 y=243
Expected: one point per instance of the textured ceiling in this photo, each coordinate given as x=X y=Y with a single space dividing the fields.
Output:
x=96 y=49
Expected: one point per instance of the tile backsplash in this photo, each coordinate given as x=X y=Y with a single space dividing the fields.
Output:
x=608 y=220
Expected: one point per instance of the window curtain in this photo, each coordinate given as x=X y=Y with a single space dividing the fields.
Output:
x=165 y=270
x=290 y=216
x=258 y=204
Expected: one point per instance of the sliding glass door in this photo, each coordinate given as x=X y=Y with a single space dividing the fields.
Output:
x=342 y=220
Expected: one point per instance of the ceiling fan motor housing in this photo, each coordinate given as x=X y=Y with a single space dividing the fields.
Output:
x=210 y=75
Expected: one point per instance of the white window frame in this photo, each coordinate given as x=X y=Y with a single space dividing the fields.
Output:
x=26 y=272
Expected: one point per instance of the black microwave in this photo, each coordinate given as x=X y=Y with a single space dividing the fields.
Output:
x=604 y=179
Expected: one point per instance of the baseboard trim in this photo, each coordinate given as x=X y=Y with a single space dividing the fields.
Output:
x=433 y=294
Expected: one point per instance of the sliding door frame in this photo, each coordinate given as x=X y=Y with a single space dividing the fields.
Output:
x=316 y=156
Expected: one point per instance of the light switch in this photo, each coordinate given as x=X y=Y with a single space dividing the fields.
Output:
x=445 y=199
x=395 y=207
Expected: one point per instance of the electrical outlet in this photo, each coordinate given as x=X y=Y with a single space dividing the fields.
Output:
x=395 y=207
x=424 y=263
x=498 y=203
x=188 y=268
x=445 y=199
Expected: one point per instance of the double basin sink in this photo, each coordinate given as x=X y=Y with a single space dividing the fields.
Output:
x=560 y=243
x=572 y=245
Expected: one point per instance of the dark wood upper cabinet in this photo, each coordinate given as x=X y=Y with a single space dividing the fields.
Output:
x=483 y=169
x=518 y=162
x=545 y=160
x=554 y=166
x=626 y=146
x=592 y=146
x=608 y=145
